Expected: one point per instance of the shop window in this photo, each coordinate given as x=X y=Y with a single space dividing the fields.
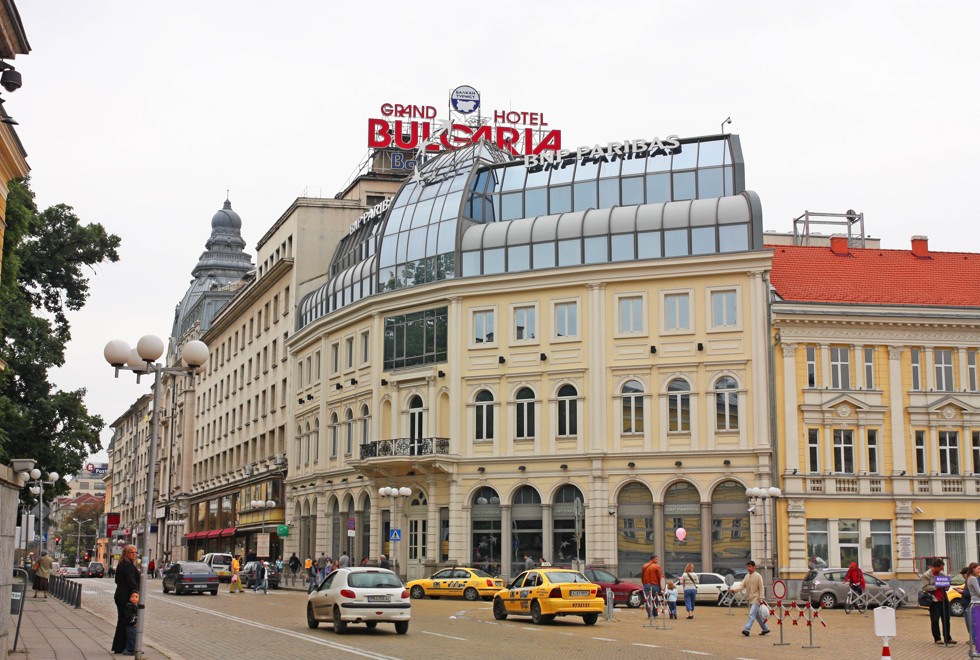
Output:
x=881 y=546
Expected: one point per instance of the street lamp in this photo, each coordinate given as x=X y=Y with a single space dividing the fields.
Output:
x=394 y=493
x=37 y=484
x=78 y=539
x=143 y=360
x=764 y=494
x=265 y=506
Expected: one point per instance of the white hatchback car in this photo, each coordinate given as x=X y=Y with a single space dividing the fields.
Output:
x=359 y=594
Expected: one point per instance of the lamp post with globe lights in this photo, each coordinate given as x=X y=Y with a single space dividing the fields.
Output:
x=394 y=494
x=265 y=505
x=763 y=495
x=36 y=482
x=142 y=361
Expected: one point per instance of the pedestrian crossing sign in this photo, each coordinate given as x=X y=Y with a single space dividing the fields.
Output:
x=395 y=535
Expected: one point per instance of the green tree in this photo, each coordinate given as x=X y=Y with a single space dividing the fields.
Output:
x=43 y=279
x=77 y=539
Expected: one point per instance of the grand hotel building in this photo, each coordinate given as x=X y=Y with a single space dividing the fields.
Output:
x=536 y=351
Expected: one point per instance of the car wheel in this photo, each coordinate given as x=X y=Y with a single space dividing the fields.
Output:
x=418 y=592
x=536 y=617
x=214 y=592
x=310 y=618
x=499 y=611
x=371 y=625
x=590 y=618
x=635 y=599
x=339 y=625
x=956 y=607
x=471 y=594
x=165 y=590
x=828 y=601
x=401 y=627
x=176 y=591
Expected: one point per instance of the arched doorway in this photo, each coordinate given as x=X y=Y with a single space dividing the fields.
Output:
x=682 y=509
x=525 y=513
x=730 y=548
x=418 y=534
x=485 y=524
x=568 y=537
x=634 y=529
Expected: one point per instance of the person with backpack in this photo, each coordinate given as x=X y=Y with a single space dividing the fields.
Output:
x=855 y=578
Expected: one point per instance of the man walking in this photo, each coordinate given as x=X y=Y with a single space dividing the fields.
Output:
x=652 y=577
x=755 y=589
x=261 y=577
x=344 y=560
x=293 y=568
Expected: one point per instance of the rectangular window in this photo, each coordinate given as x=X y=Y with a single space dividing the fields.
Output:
x=817 y=542
x=811 y=366
x=920 y=452
x=631 y=314
x=873 y=451
x=840 y=368
x=334 y=358
x=869 y=368
x=724 y=309
x=925 y=538
x=813 y=450
x=916 y=358
x=971 y=370
x=317 y=356
x=483 y=323
x=349 y=352
x=976 y=452
x=566 y=319
x=949 y=452
x=881 y=546
x=847 y=540
x=843 y=451
x=944 y=370
x=525 y=324
x=365 y=347
x=416 y=338
x=677 y=312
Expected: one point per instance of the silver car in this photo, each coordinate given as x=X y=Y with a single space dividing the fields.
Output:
x=360 y=594
x=826 y=587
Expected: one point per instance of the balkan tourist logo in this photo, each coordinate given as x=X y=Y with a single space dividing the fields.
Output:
x=465 y=100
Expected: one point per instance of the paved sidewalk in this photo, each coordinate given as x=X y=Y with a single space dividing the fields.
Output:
x=52 y=629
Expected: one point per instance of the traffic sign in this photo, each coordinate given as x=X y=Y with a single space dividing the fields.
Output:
x=351 y=524
x=351 y=533
x=395 y=535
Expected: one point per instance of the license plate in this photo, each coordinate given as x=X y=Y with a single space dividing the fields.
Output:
x=581 y=605
x=200 y=586
x=578 y=593
x=379 y=599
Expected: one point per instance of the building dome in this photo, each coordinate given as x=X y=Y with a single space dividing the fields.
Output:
x=226 y=218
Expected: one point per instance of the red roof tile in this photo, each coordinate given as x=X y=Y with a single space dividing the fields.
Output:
x=875 y=276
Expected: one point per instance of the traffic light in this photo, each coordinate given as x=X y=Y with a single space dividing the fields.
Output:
x=86 y=556
x=57 y=540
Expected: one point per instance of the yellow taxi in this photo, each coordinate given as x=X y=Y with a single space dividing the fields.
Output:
x=544 y=593
x=470 y=583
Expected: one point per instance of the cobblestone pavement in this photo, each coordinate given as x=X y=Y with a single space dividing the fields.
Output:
x=265 y=626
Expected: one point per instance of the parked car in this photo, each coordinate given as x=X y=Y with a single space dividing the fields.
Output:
x=470 y=583
x=220 y=563
x=360 y=594
x=247 y=574
x=711 y=588
x=826 y=586
x=737 y=578
x=95 y=569
x=190 y=577
x=625 y=593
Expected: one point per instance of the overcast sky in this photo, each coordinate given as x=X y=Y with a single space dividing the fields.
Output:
x=141 y=115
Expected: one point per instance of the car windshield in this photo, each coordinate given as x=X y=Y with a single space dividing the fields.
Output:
x=373 y=580
x=567 y=576
x=195 y=567
x=478 y=573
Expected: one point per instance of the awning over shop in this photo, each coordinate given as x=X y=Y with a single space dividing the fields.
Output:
x=193 y=535
x=228 y=531
x=214 y=533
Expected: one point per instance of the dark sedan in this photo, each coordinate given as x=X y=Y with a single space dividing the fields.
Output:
x=185 y=577
x=95 y=569
x=624 y=593
x=248 y=574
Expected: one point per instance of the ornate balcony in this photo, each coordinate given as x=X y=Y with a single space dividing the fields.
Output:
x=403 y=456
x=405 y=447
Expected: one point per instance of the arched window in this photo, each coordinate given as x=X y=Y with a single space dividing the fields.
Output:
x=334 y=433
x=726 y=403
x=485 y=519
x=632 y=408
x=415 y=425
x=316 y=440
x=365 y=425
x=307 y=438
x=568 y=505
x=567 y=411
x=525 y=414
x=299 y=444
x=350 y=431
x=484 y=415
x=678 y=405
x=526 y=524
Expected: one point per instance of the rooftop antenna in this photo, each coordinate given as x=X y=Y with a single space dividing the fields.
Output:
x=728 y=120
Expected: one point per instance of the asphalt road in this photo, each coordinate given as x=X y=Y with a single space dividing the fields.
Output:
x=269 y=626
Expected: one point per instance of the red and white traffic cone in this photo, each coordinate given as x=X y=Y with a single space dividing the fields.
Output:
x=885 y=653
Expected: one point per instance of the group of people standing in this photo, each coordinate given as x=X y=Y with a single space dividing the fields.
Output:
x=322 y=567
x=933 y=591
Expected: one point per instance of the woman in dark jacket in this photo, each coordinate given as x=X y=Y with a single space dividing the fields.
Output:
x=127 y=581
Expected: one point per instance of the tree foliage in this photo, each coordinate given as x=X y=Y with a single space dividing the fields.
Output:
x=77 y=539
x=43 y=278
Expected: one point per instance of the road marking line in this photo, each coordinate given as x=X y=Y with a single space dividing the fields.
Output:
x=694 y=652
x=426 y=632
x=530 y=628
x=604 y=639
x=649 y=646
x=288 y=633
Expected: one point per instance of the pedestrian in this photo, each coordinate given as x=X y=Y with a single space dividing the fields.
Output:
x=755 y=588
x=934 y=585
x=236 y=576
x=294 y=565
x=251 y=555
x=127 y=581
x=528 y=562
x=689 y=582
x=42 y=573
x=308 y=565
x=335 y=565
x=973 y=591
x=322 y=562
x=652 y=577
x=261 y=577
x=364 y=560
x=855 y=578
x=344 y=560
x=279 y=564
x=152 y=569
x=383 y=562
x=132 y=614
x=671 y=595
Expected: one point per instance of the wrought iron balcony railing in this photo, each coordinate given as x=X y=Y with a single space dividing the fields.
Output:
x=405 y=447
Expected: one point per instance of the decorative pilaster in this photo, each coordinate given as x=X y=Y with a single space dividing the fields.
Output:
x=791 y=445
